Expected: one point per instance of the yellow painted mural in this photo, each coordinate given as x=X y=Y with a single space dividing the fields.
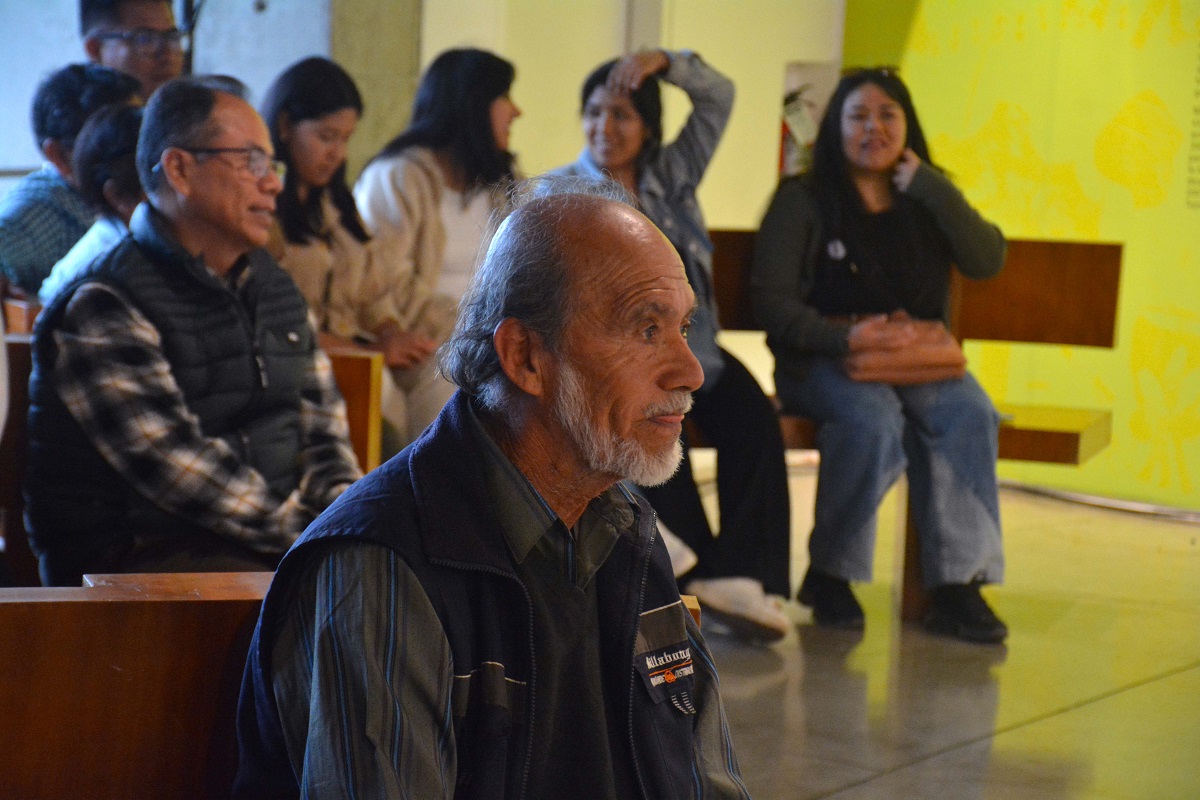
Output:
x=1139 y=147
x=1077 y=120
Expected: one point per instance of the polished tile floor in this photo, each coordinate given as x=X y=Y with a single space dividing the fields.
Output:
x=1095 y=695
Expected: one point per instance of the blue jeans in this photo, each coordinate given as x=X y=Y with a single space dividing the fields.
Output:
x=943 y=433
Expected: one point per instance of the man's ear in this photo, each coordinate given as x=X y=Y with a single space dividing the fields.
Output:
x=178 y=170
x=91 y=46
x=284 y=123
x=523 y=356
x=118 y=201
x=58 y=155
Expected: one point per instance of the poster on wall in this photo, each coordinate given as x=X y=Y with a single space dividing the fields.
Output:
x=807 y=86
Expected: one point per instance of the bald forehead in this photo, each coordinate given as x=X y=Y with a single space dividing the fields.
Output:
x=596 y=234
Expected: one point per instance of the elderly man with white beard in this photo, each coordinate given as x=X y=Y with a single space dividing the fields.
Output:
x=491 y=613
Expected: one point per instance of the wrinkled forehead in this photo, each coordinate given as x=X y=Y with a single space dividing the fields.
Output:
x=619 y=260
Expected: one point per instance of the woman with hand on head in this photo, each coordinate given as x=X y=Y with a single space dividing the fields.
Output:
x=312 y=110
x=622 y=124
x=852 y=266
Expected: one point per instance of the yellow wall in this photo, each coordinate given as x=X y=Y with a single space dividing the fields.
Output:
x=1065 y=119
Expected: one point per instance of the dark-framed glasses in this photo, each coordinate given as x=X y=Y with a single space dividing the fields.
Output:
x=145 y=42
x=258 y=163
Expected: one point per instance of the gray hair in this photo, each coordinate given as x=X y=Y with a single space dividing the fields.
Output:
x=525 y=276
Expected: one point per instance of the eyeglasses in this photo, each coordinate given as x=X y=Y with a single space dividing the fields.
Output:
x=145 y=42
x=258 y=163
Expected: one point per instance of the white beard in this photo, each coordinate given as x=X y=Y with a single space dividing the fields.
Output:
x=604 y=451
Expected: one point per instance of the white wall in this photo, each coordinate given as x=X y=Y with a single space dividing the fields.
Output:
x=39 y=37
x=254 y=43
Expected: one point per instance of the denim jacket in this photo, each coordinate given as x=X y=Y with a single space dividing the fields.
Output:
x=667 y=191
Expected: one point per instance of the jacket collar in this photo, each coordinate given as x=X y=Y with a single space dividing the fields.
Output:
x=450 y=490
x=152 y=231
x=649 y=183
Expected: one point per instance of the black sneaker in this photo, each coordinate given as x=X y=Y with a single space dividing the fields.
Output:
x=832 y=602
x=959 y=610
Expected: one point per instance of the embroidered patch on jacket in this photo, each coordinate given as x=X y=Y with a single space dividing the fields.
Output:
x=664 y=658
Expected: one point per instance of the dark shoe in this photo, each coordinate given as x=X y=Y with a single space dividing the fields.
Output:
x=959 y=610
x=831 y=600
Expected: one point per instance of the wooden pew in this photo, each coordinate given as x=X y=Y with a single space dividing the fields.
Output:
x=124 y=689
x=1047 y=293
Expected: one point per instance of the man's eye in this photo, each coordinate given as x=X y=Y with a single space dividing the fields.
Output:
x=649 y=332
x=685 y=329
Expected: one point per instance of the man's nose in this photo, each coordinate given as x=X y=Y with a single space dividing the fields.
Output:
x=686 y=372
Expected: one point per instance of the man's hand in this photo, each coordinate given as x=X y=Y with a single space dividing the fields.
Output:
x=629 y=73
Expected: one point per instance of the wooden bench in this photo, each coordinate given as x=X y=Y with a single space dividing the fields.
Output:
x=1048 y=293
x=124 y=689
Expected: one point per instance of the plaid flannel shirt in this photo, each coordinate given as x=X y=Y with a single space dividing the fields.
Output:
x=114 y=379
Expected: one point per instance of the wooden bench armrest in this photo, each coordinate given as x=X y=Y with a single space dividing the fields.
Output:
x=359 y=376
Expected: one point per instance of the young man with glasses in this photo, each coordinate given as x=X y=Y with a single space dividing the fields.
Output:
x=137 y=37
x=182 y=418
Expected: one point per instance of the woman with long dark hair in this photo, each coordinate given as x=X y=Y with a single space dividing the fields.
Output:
x=736 y=573
x=431 y=190
x=312 y=110
x=852 y=267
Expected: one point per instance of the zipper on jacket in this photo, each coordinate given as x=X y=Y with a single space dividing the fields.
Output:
x=263 y=382
x=532 y=659
x=637 y=768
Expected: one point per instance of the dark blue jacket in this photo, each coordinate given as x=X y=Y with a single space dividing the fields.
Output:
x=429 y=504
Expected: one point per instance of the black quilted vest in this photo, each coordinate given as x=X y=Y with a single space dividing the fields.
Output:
x=239 y=359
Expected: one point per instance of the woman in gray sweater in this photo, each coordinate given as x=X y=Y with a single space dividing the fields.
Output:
x=851 y=258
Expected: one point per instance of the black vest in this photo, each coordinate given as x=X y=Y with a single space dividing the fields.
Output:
x=239 y=359
x=429 y=505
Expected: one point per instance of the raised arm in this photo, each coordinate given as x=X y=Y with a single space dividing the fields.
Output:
x=977 y=245
x=711 y=94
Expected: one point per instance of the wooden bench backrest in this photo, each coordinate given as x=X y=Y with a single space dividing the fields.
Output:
x=14 y=449
x=1048 y=292
x=128 y=689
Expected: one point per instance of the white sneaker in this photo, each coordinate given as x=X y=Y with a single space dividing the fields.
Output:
x=683 y=558
x=742 y=605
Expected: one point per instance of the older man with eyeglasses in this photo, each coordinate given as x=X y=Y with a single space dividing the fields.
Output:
x=181 y=415
x=137 y=37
